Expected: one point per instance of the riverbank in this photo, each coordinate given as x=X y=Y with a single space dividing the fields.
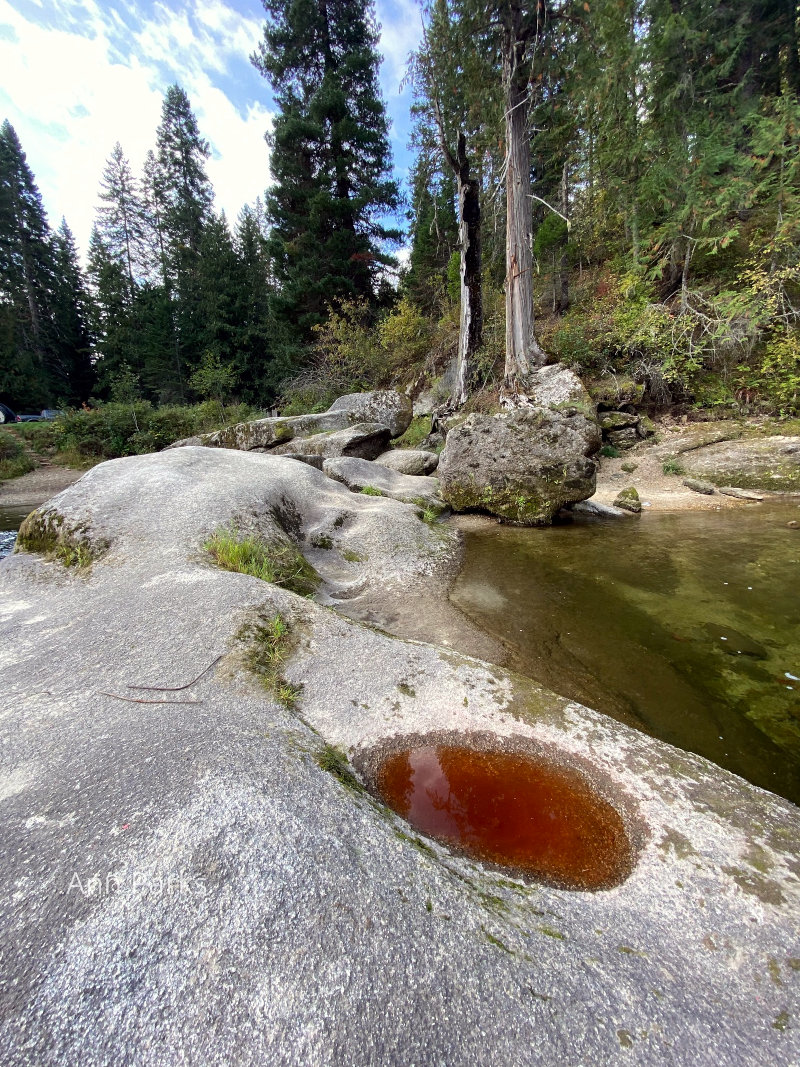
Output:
x=31 y=490
x=643 y=467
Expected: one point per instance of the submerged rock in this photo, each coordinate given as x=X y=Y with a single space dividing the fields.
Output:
x=522 y=466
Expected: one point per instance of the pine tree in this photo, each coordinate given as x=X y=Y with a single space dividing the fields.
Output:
x=72 y=317
x=330 y=155
x=120 y=220
x=30 y=363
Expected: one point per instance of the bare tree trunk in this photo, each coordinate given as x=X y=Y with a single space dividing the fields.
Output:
x=564 y=298
x=522 y=351
x=470 y=331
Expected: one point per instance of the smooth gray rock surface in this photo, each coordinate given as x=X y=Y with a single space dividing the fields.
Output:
x=359 y=474
x=523 y=465
x=183 y=883
x=409 y=461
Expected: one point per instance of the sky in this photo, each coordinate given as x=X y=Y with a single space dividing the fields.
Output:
x=78 y=75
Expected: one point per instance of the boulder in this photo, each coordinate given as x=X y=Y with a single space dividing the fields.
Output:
x=614 y=391
x=199 y=875
x=593 y=509
x=628 y=500
x=365 y=440
x=359 y=475
x=753 y=463
x=556 y=387
x=699 y=486
x=409 y=461
x=740 y=494
x=523 y=465
x=384 y=407
x=623 y=439
x=617 y=420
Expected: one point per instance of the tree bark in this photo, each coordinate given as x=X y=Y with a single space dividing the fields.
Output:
x=470 y=330
x=522 y=351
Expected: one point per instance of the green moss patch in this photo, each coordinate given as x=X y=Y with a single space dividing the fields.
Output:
x=48 y=534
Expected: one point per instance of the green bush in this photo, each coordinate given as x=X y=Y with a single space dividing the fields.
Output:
x=109 y=431
x=13 y=459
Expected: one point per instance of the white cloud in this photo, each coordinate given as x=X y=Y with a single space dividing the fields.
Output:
x=401 y=33
x=74 y=90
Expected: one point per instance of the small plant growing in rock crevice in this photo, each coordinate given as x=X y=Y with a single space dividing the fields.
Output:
x=269 y=644
x=279 y=564
x=334 y=761
x=370 y=490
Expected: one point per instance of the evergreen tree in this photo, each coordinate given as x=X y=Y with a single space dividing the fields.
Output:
x=330 y=155
x=263 y=351
x=111 y=308
x=120 y=217
x=32 y=373
x=72 y=317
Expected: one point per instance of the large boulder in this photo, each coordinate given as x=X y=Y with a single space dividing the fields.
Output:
x=382 y=406
x=361 y=476
x=558 y=388
x=760 y=463
x=409 y=461
x=523 y=465
x=365 y=440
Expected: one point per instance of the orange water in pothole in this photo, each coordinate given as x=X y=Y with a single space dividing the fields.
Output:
x=511 y=809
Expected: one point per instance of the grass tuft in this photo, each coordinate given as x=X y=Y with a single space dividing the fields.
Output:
x=370 y=490
x=269 y=644
x=279 y=564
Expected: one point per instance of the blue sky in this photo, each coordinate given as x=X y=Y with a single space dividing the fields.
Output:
x=78 y=75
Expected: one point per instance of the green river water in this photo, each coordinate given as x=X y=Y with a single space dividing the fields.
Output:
x=684 y=625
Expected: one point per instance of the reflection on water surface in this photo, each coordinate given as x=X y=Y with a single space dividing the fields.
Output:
x=684 y=625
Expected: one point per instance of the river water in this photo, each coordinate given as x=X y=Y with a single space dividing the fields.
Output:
x=10 y=520
x=685 y=625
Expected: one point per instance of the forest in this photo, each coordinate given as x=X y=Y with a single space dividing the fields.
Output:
x=613 y=184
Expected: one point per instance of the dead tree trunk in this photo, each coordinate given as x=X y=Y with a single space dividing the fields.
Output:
x=470 y=330
x=522 y=351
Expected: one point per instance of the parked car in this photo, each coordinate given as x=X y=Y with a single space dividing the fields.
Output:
x=7 y=415
x=51 y=413
x=29 y=418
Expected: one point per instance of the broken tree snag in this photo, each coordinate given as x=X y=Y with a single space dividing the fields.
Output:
x=522 y=351
x=470 y=332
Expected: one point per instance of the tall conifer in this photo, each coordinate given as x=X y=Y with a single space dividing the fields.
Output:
x=330 y=154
